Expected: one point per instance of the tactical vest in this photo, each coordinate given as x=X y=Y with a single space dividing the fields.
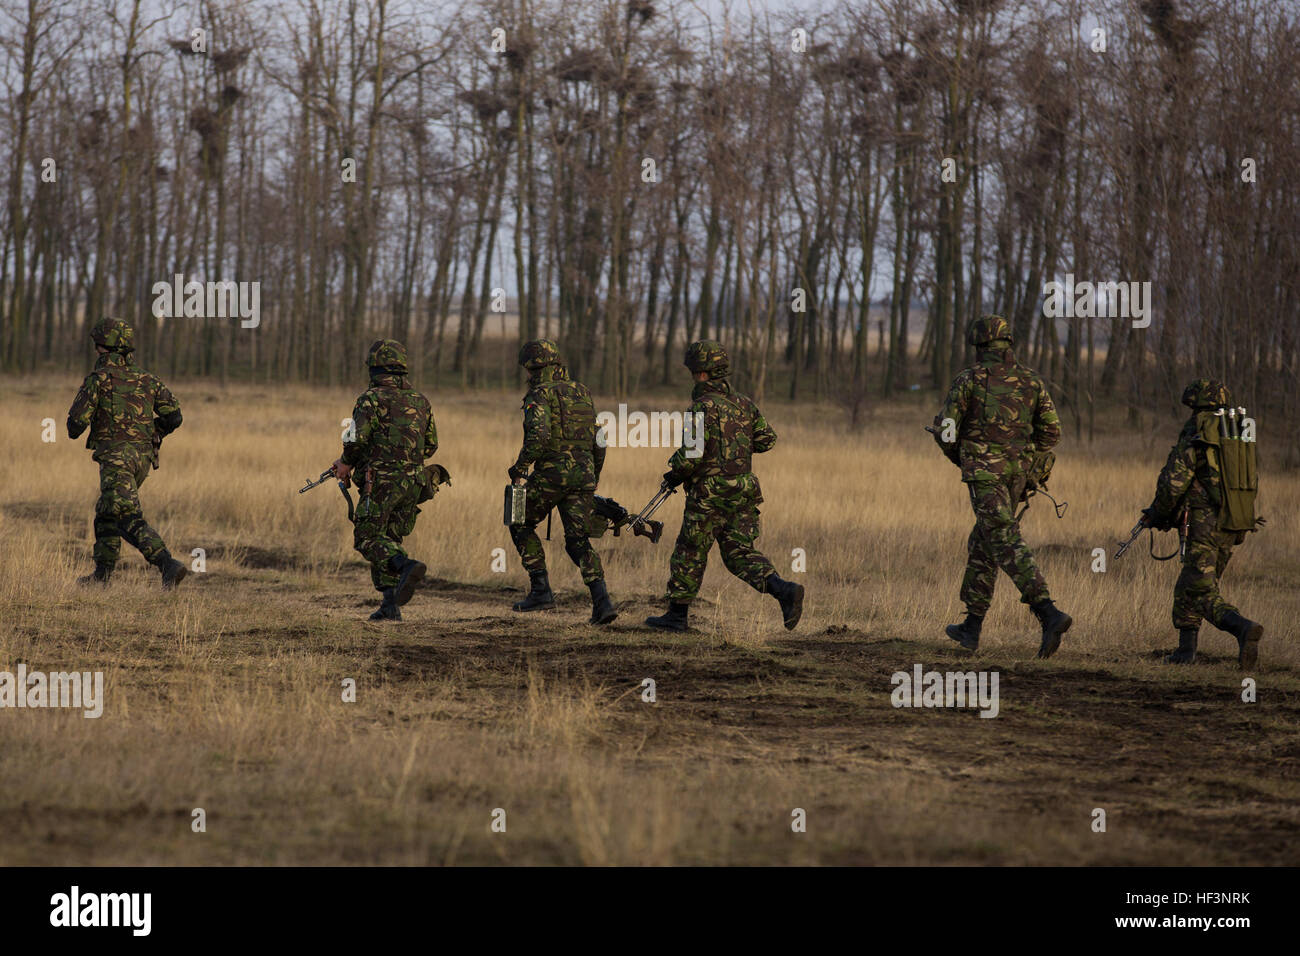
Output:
x=124 y=412
x=729 y=431
x=572 y=416
x=398 y=437
x=986 y=420
x=1227 y=470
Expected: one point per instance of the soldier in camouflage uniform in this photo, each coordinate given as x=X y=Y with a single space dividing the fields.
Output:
x=1001 y=416
x=1190 y=481
x=723 y=495
x=562 y=446
x=128 y=412
x=394 y=434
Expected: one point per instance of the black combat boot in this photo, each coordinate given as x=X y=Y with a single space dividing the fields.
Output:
x=1247 y=633
x=790 y=597
x=388 y=609
x=967 y=633
x=173 y=572
x=1186 y=652
x=674 y=620
x=602 y=608
x=100 y=576
x=539 y=598
x=1055 y=623
x=412 y=573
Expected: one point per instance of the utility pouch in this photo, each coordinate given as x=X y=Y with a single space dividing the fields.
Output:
x=516 y=504
x=1039 y=471
x=434 y=475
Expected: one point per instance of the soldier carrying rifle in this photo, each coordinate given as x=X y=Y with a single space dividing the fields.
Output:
x=1209 y=480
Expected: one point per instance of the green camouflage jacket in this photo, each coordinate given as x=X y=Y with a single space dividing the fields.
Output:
x=1004 y=415
x=1187 y=478
x=394 y=425
x=560 y=434
x=734 y=431
x=121 y=403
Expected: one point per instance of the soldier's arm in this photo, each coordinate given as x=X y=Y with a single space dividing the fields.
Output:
x=363 y=422
x=598 y=452
x=764 y=434
x=1173 y=484
x=430 y=437
x=83 y=406
x=537 y=427
x=954 y=408
x=166 y=410
x=1047 y=423
x=679 y=465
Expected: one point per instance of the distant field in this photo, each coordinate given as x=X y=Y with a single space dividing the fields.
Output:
x=226 y=696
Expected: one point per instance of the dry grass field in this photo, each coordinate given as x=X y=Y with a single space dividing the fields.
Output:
x=227 y=694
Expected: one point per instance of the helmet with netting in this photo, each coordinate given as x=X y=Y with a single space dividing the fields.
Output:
x=387 y=353
x=114 y=335
x=988 y=328
x=539 y=352
x=707 y=356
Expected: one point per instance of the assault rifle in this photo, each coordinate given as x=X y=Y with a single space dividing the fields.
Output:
x=1143 y=525
x=620 y=518
x=325 y=476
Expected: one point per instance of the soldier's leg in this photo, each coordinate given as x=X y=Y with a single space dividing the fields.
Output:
x=575 y=515
x=117 y=513
x=690 y=554
x=996 y=517
x=372 y=533
x=1196 y=593
x=735 y=539
x=541 y=499
x=401 y=523
x=981 y=577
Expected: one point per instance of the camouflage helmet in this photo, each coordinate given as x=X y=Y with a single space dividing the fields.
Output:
x=114 y=335
x=539 y=352
x=1206 y=393
x=387 y=353
x=707 y=356
x=988 y=328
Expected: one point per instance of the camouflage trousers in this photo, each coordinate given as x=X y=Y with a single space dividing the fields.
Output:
x=1196 y=595
x=724 y=510
x=995 y=543
x=385 y=515
x=575 y=507
x=122 y=470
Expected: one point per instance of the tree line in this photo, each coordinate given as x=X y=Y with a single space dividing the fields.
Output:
x=834 y=193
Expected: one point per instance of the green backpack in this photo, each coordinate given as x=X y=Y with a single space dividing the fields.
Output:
x=1234 y=459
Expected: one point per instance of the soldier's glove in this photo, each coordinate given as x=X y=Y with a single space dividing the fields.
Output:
x=1151 y=520
x=672 y=480
x=515 y=473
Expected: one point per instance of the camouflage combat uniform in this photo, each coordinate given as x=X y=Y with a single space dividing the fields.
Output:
x=561 y=447
x=1003 y=416
x=723 y=494
x=394 y=434
x=1189 y=481
x=127 y=410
